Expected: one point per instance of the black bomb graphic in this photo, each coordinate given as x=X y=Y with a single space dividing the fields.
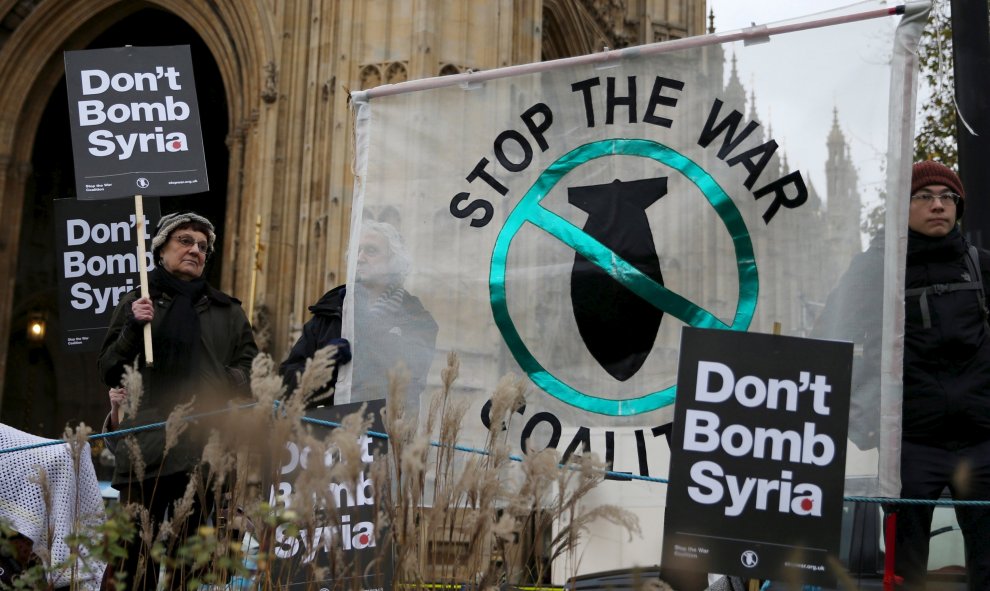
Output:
x=617 y=218
x=616 y=271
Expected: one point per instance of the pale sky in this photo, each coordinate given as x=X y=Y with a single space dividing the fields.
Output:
x=737 y=14
x=806 y=148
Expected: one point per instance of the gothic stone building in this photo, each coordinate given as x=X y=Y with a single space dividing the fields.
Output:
x=273 y=80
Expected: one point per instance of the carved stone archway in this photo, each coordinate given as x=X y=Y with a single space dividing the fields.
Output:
x=286 y=68
x=31 y=64
x=574 y=28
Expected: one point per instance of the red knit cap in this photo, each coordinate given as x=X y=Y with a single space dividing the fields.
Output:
x=930 y=172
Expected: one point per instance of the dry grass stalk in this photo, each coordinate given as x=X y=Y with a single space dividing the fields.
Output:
x=176 y=424
x=218 y=459
x=134 y=384
x=133 y=450
x=444 y=513
x=184 y=506
x=318 y=373
x=44 y=549
x=475 y=502
x=509 y=396
x=78 y=441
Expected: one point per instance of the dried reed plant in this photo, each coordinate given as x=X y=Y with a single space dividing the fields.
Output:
x=443 y=515
x=482 y=501
x=134 y=384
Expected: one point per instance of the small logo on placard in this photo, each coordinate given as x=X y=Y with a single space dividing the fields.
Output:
x=143 y=182
x=749 y=559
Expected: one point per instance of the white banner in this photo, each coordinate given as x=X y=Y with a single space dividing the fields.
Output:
x=564 y=221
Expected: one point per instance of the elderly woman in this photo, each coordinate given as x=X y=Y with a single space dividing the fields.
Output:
x=203 y=348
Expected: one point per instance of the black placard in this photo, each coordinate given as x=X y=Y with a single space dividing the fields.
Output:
x=134 y=122
x=301 y=556
x=758 y=456
x=97 y=264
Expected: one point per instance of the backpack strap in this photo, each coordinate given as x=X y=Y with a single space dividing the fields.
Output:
x=973 y=262
x=973 y=266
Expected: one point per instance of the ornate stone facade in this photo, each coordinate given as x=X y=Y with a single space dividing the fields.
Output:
x=285 y=69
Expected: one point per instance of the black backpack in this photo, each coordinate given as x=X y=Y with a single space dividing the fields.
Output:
x=973 y=264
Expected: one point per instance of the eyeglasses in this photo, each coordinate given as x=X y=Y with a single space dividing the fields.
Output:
x=369 y=249
x=929 y=198
x=189 y=242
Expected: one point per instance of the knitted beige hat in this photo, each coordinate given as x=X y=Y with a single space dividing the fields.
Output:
x=170 y=222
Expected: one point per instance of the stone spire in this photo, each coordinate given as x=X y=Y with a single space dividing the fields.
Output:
x=754 y=116
x=836 y=140
x=843 y=195
x=735 y=94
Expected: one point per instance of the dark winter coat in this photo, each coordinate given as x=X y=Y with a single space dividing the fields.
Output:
x=408 y=336
x=946 y=377
x=223 y=368
x=323 y=329
x=946 y=365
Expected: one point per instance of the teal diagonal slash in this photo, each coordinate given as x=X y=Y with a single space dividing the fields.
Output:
x=530 y=210
x=622 y=271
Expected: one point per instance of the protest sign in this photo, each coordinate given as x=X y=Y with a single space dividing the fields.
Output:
x=308 y=557
x=134 y=122
x=513 y=246
x=564 y=220
x=97 y=264
x=758 y=456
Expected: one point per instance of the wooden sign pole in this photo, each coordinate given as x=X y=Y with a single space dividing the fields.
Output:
x=149 y=357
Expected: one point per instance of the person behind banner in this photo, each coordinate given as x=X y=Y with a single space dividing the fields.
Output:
x=946 y=406
x=203 y=349
x=946 y=412
x=391 y=325
x=853 y=312
x=322 y=330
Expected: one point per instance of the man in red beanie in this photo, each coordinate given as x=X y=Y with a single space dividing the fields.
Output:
x=946 y=404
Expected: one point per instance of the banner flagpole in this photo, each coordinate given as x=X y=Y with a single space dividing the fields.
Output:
x=149 y=356
x=749 y=35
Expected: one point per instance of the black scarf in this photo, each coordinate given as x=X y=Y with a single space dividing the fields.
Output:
x=177 y=339
x=923 y=249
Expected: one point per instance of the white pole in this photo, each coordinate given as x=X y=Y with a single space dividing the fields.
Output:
x=149 y=356
x=755 y=34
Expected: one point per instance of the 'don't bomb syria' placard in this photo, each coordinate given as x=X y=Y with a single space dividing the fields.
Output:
x=134 y=122
x=346 y=546
x=97 y=264
x=758 y=456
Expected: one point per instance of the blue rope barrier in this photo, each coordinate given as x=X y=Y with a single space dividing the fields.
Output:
x=468 y=449
x=513 y=457
x=129 y=430
x=935 y=502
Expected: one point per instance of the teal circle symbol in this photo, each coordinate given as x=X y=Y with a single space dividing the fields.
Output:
x=530 y=210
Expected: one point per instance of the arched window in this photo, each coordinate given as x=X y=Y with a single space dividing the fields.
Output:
x=569 y=30
x=390 y=215
x=396 y=73
x=371 y=76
